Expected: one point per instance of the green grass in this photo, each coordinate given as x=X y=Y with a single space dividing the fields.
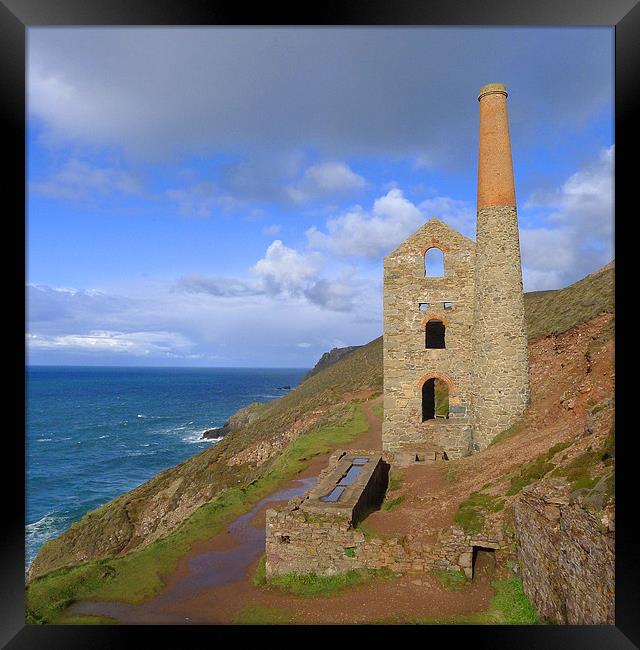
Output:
x=378 y=409
x=535 y=469
x=441 y=397
x=553 y=312
x=264 y=615
x=368 y=532
x=511 y=603
x=138 y=575
x=313 y=585
x=506 y=434
x=528 y=473
x=394 y=503
x=580 y=471
x=350 y=551
x=509 y=606
x=260 y=576
x=470 y=515
x=395 y=480
x=88 y=619
x=451 y=579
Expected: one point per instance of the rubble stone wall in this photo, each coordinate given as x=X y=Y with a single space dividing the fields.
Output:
x=566 y=551
x=302 y=542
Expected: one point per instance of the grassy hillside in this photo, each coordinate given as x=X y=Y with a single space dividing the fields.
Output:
x=552 y=312
x=138 y=575
x=159 y=506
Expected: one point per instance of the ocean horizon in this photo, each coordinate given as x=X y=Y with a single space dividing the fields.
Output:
x=95 y=432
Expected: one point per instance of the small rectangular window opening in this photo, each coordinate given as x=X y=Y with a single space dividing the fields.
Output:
x=448 y=305
x=424 y=306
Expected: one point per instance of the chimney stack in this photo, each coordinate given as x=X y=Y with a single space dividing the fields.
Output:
x=501 y=369
x=495 y=168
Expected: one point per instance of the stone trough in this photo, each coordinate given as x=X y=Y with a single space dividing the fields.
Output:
x=351 y=488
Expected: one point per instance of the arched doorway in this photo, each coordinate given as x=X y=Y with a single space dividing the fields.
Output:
x=435 y=399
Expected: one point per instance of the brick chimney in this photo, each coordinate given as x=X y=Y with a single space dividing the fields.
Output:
x=495 y=168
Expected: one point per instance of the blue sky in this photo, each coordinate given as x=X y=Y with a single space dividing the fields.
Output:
x=225 y=196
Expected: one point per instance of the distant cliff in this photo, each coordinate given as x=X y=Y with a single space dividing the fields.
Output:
x=329 y=358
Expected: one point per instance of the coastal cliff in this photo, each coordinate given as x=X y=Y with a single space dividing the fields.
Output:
x=329 y=358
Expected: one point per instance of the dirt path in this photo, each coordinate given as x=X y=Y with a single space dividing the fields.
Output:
x=372 y=437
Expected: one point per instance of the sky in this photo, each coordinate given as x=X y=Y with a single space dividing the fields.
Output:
x=226 y=196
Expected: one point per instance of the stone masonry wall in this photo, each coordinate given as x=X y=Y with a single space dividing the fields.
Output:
x=566 y=551
x=301 y=542
x=407 y=363
x=501 y=367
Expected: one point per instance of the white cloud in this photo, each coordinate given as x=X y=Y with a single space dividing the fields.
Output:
x=97 y=341
x=153 y=321
x=272 y=230
x=217 y=286
x=577 y=238
x=325 y=180
x=369 y=234
x=284 y=273
x=336 y=295
x=345 y=90
x=285 y=269
x=458 y=214
x=80 y=181
x=423 y=161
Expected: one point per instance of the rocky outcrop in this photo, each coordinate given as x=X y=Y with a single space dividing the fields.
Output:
x=329 y=358
x=261 y=451
x=241 y=418
x=566 y=552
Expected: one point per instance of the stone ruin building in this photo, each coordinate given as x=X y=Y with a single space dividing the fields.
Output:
x=458 y=334
x=455 y=375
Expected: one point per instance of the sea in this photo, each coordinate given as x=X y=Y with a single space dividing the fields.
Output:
x=94 y=433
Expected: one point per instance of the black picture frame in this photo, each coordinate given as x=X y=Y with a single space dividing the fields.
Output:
x=18 y=15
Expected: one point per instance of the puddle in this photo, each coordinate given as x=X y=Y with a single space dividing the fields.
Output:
x=334 y=495
x=211 y=569
x=351 y=475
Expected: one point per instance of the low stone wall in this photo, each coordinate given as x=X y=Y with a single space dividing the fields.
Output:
x=303 y=542
x=451 y=436
x=455 y=548
x=566 y=551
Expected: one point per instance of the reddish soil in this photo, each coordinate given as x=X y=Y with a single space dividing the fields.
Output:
x=381 y=601
x=372 y=437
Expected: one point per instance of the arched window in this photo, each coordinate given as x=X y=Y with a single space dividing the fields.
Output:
x=435 y=399
x=433 y=263
x=434 y=334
